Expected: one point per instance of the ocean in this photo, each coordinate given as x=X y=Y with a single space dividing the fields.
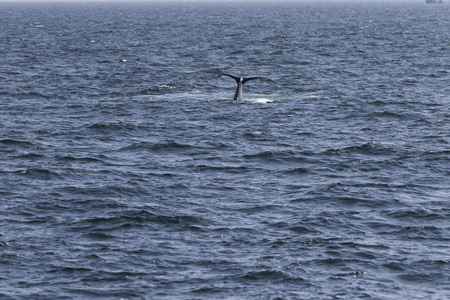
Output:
x=128 y=172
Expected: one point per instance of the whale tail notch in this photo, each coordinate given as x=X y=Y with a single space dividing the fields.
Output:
x=240 y=82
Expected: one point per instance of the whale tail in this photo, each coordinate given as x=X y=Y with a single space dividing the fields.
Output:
x=240 y=83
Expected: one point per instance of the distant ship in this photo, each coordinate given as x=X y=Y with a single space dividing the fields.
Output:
x=434 y=1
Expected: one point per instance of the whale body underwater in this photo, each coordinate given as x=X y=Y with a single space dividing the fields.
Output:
x=240 y=83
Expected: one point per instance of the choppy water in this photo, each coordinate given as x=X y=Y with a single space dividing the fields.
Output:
x=128 y=172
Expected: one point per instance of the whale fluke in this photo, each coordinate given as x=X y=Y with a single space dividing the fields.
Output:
x=240 y=82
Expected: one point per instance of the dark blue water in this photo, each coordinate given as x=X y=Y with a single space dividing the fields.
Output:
x=128 y=172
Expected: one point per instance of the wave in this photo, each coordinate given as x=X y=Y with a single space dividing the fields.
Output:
x=372 y=148
x=103 y=226
x=114 y=126
x=12 y=142
x=275 y=156
x=70 y=158
x=38 y=173
x=296 y=171
x=168 y=146
x=272 y=275
x=253 y=98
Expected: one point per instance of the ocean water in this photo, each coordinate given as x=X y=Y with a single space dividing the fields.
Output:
x=128 y=172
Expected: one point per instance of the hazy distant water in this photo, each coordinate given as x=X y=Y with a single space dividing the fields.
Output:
x=128 y=172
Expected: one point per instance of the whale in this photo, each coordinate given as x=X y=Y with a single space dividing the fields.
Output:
x=240 y=83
